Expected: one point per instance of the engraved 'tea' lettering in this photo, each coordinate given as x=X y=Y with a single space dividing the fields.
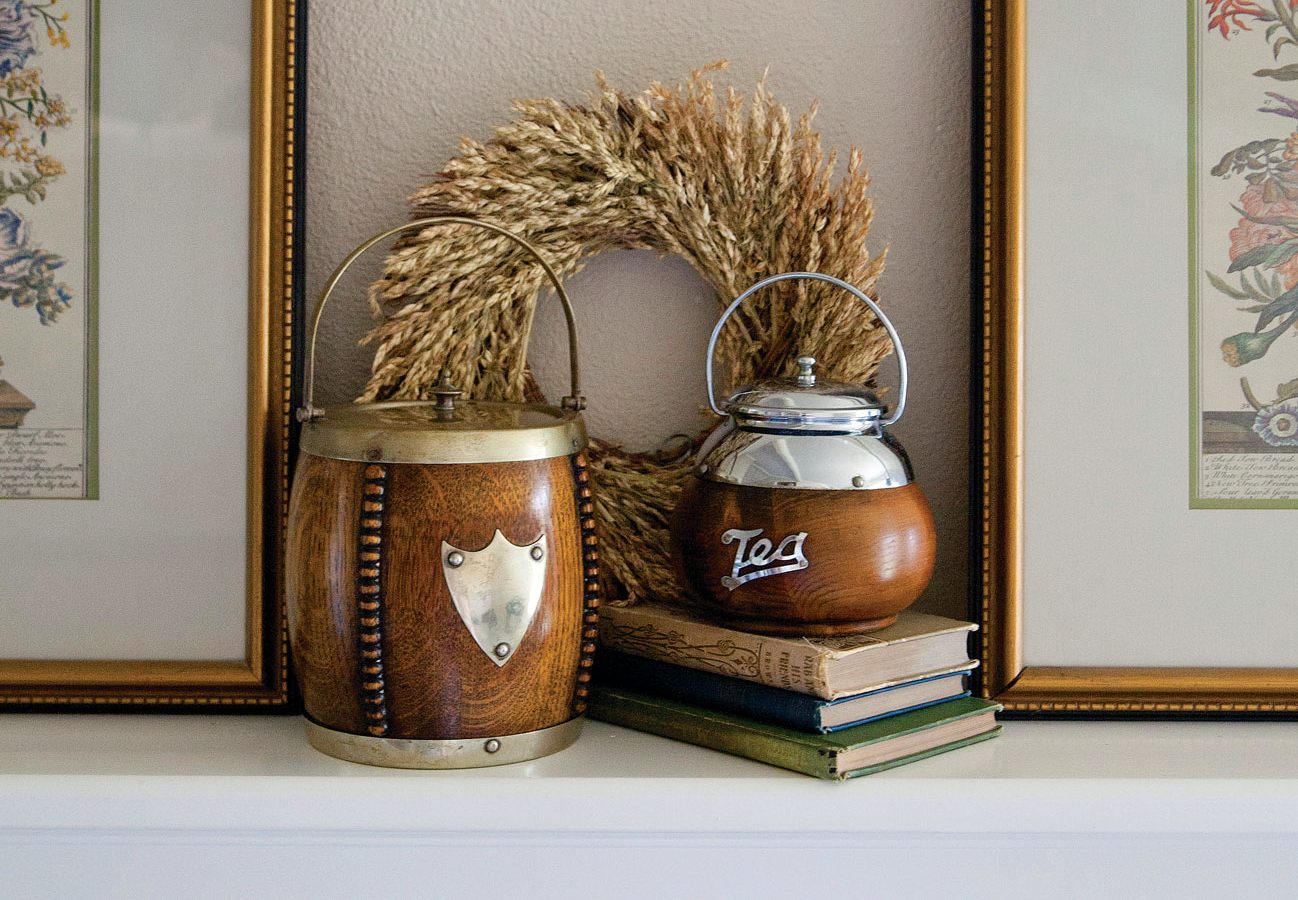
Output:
x=762 y=557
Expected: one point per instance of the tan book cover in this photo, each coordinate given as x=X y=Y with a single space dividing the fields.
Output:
x=917 y=645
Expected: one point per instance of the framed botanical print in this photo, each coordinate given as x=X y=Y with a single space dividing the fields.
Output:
x=1137 y=356
x=149 y=160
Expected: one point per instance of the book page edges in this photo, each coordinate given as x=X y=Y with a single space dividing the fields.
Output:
x=963 y=668
x=915 y=742
x=910 y=626
x=916 y=757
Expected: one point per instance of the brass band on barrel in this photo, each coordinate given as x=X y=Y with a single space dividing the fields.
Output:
x=448 y=753
x=366 y=433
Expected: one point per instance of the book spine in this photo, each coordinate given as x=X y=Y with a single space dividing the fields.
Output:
x=702 y=731
x=710 y=690
x=783 y=663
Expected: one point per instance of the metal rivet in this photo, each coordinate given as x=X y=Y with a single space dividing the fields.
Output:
x=455 y=559
x=491 y=746
x=502 y=650
x=537 y=553
x=858 y=481
x=373 y=454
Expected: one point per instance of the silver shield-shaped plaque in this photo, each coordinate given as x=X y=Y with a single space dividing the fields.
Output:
x=496 y=591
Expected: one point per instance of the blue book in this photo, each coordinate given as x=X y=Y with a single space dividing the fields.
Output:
x=769 y=704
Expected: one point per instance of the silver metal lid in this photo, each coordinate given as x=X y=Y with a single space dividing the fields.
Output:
x=838 y=462
x=805 y=403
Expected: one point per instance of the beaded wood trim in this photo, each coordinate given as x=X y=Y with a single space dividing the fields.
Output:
x=369 y=600
x=590 y=580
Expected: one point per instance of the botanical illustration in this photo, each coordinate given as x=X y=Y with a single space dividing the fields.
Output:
x=28 y=112
x=44 y=225
x=1245 y=113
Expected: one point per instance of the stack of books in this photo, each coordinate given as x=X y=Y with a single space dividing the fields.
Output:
x=831 y=707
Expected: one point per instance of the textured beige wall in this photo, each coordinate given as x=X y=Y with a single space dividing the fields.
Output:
x=394 y=83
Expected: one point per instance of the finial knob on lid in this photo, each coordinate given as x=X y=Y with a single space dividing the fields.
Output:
x=445 y=391
x=806 y=375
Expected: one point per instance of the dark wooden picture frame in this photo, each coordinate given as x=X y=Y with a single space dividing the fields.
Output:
x=259 y=680
x=997 y=538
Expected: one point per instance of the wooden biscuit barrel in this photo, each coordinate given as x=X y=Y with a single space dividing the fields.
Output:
x=442 y=576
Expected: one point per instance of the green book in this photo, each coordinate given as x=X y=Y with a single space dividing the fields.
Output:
x=860 y=750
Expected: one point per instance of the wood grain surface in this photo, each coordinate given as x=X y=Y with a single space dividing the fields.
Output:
x=437 y=682
x=870 y=554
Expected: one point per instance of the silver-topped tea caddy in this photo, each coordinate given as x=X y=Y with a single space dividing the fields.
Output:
x=803 y=516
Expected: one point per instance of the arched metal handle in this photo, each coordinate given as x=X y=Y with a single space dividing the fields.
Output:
x=574 y=400
x=837 y=282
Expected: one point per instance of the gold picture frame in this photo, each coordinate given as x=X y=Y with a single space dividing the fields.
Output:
x=1000 y=171
x=260 y=679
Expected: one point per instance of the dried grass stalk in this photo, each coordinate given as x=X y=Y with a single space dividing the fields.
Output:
x=727 y=182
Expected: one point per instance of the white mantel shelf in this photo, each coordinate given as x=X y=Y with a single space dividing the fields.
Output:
x=96 y=803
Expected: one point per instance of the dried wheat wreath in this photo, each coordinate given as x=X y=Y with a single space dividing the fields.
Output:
x=730 y=185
